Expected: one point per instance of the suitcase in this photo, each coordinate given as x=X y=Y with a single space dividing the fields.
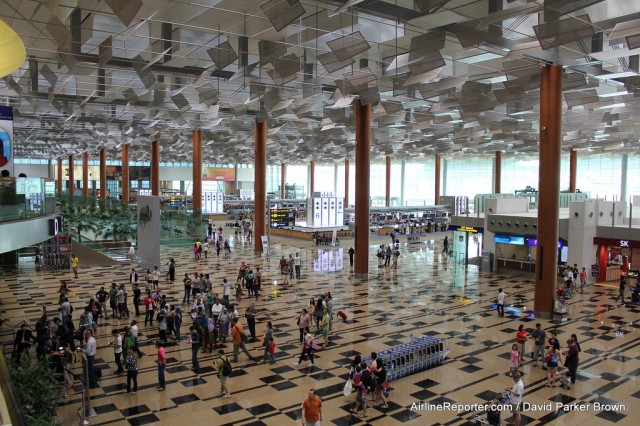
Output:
x=98 y=372
x=342 y=315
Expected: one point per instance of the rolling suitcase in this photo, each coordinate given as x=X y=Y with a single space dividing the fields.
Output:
x=342 y=315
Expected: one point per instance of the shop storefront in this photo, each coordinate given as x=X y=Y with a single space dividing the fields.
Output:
x=616 y=257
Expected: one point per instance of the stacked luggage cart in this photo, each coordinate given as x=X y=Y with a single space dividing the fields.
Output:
x=419 y=354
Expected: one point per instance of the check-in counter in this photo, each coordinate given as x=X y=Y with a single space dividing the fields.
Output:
x=294 y=233
x=613 y=273
x=517 y=265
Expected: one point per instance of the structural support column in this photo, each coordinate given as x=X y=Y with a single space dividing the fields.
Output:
x=363 y=165
x=549 y=189
x=623 y=177
x=283 y=180
x=260 y=183
x=155 y=168
x=346 y=183
x=387 y=189
x=125 y=173
x=103 y=174
x=59 y=177
x=85 y=175
x=573 y=169
x=72 y=179
x=437 y=179
x=403 y=166
x=498 y=175
x=197 y=170
x=312 y=175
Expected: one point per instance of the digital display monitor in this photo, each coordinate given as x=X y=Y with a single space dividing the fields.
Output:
x=503 y=239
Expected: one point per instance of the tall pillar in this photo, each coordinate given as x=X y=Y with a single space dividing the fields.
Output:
x=260 y=183
x=72 y=179
x=103 y=174
x=387 y=189
x=623 y=177
x=283 y=180
x=346 y=183
x=125 y=173
x=363 y=165
x=197 y=170
x=85 y=175
x=59 y=177
x=155 y=168
x=437 y=179
x=498 y=173
x=573 y=169
x=312 y=175
x=548 y=189
x=402 y=173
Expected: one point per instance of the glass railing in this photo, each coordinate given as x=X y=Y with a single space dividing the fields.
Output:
x=24 y=198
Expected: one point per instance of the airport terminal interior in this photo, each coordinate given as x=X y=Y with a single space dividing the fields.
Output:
x=455 y=95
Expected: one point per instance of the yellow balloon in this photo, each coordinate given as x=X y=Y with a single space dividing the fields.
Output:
x=12 y=50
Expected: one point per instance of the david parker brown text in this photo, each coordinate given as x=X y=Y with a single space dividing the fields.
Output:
x=550 y=406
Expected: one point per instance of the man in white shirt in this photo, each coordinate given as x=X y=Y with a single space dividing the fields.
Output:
x=155 y=277
x=502 y=297
x=117 y=350
x=516 y=393
x=226 y=291
x=89 y=349
x=297 y=262
x=216 y=310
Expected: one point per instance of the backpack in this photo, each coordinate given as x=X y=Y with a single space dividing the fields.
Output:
x=549 y=357
x=226 y=367
x=160 y=316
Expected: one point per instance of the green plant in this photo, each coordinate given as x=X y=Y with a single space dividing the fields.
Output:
x=79 y=219
x=38 y=388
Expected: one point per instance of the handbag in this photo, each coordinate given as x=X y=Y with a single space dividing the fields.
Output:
x=348 y=388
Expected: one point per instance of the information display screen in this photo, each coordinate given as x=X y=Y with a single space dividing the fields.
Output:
x=176 y=201
x=282 y=217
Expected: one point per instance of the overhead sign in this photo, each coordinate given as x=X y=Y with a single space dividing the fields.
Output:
x=282 y=217
x=467 y=229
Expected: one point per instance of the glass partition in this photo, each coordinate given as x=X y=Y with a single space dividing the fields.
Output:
x=23 y=198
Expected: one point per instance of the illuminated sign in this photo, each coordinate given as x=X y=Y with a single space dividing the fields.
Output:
x=466 y=229
x=532 y=242
x=503 y=239
x=282 y=217
x=624 y=243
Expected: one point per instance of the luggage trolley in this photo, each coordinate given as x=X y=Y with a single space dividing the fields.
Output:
x=491 y=416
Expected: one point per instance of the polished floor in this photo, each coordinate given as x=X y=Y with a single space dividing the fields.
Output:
x=426 y=295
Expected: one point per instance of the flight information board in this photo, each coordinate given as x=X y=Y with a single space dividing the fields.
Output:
x=282 y=217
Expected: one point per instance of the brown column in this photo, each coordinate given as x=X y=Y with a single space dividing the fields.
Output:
x=155 y=167
x=437 y=178
x=283 y=180
x=103 y=174
x=498 y=176
x=363 y=166
x=312 y=173
x=548 y=189
x=260 y=183
x=125 y=173
x=197 y=170
x=346 y=183
x=71 y=182
x=85 y=175
x=573 y=168
x=59 y=177
x=387 y=192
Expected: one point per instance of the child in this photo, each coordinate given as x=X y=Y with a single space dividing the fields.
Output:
x=552 y=366
x=238 y=292
x=515 y=356
x=361 y=394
